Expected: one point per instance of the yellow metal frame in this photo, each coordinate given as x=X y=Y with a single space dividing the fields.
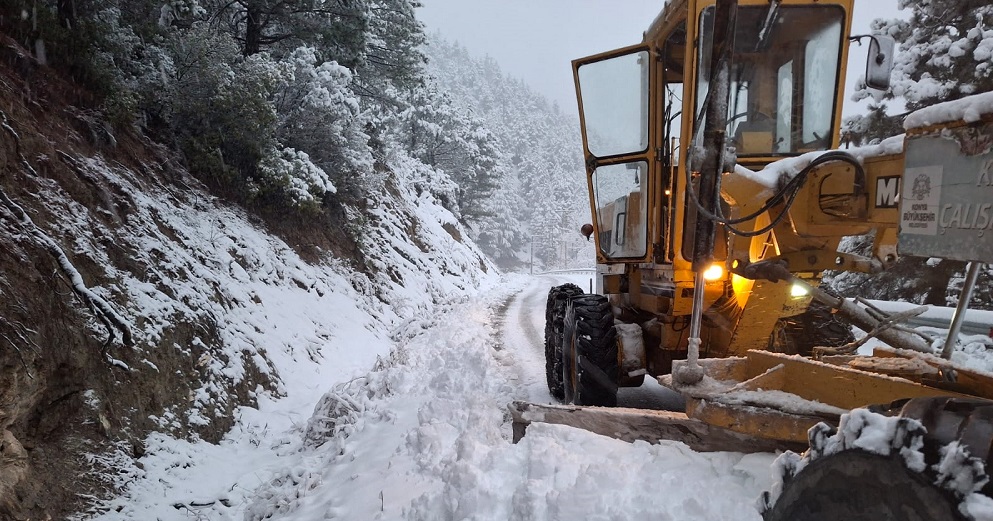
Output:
x=744 y=197
x=827 y=207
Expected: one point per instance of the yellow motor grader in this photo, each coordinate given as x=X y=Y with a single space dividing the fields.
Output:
x=719 y=198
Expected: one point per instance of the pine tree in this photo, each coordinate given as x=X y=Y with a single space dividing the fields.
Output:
x=337 y=28
x=945 y=53
x=393 y=53
x=873 y=127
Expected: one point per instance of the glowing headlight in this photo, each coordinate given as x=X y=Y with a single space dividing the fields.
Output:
x=713 y=272
x=799 y=290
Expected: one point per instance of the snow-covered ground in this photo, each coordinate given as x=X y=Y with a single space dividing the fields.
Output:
x=425 y=435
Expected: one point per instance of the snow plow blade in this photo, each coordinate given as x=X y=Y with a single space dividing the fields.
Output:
x=768 y=401
x=641 y=424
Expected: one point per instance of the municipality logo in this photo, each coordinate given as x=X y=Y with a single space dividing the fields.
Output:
x=922 y=187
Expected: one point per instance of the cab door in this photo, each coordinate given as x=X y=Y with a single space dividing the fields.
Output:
x=617 y=117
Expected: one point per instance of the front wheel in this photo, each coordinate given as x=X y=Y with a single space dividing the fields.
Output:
x=589 y=352
x=928 y=463
x=554 y=317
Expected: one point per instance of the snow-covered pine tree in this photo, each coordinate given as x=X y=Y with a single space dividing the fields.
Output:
x=457 y=144
x=945 y=50
x=945 y=53
x=872 y=127
x=393 y=52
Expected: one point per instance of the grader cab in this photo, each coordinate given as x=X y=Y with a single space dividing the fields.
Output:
x=718 y=199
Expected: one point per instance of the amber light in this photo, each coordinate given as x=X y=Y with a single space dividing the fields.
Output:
x=713 y=272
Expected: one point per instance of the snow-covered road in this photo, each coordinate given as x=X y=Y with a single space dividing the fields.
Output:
x=425 y=435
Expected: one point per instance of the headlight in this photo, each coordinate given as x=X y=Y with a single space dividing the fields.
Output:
x=798 y=290
x=713 y=272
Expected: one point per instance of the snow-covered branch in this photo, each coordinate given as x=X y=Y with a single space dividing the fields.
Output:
x=100 y=307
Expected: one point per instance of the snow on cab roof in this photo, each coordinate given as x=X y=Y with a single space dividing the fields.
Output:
x=969 y=109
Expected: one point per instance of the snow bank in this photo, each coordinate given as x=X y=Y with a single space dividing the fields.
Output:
x=304 y=327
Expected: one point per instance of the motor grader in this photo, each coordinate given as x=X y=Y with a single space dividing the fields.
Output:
x=719 y=198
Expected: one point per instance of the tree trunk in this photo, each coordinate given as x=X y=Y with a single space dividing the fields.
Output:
x=939 y=279
x=253 y=30
x=67 y=13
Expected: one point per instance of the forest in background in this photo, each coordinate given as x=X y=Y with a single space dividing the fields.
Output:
x=294 y=109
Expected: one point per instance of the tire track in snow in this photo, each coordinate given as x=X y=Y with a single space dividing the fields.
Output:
x=524 y=315
x=523 y=340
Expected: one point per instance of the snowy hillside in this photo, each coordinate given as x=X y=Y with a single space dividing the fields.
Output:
x=540 y=201
x=137 y=302
x=302 y=327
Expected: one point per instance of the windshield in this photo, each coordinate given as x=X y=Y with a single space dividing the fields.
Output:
x=782 y=92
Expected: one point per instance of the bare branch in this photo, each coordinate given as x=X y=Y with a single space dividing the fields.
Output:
x=887 y=322
x=20 y=355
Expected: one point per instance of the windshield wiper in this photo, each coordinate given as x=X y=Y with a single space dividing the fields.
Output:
x=770 y=18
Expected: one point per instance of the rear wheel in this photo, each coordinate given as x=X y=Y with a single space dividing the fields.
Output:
x=589 y=352
x=554 y=317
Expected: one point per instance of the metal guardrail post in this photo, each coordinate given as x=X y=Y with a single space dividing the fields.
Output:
x=959 y=316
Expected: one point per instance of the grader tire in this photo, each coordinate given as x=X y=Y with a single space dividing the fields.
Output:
x=816 y=327
x=554 y=317
x=589 y=352
x=854 y=485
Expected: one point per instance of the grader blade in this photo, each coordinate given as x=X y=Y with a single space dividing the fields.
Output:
x=767 y=402
x=641 y=424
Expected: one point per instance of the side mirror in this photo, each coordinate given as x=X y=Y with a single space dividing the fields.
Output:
x=879 y=64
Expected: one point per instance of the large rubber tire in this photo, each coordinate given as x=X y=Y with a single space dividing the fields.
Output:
x=554 y=317
x=854 y=485
x=589 y=352
x=816 y=327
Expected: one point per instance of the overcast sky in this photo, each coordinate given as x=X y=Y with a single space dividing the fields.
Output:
x=536 y=40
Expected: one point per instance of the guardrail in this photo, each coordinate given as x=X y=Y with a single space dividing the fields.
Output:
x=567 y=271
x=968 y=327
x=977 y=321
